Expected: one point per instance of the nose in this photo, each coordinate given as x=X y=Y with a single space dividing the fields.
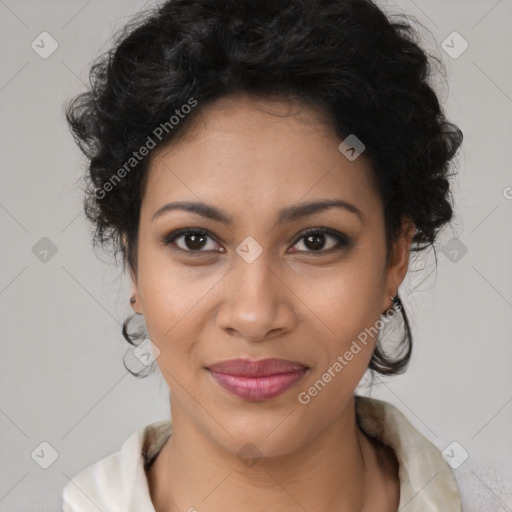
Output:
x=256 y=302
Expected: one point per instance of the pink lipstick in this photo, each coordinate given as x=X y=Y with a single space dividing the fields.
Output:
x=257 y=380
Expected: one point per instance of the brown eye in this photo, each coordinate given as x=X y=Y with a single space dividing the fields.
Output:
x=315 y=240
x=191 y=240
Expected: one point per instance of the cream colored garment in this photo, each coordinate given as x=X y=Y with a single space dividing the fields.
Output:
x=118 y=482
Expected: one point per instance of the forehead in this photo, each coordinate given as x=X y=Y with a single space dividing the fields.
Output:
x=257 y=155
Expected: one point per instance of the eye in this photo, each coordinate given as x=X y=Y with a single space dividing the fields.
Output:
x=196 y=240
x=193 y=240
x=314 y=240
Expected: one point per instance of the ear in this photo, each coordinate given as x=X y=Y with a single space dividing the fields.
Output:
x=136 y=306
x=398 y=261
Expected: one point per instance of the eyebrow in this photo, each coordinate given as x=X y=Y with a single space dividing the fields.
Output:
x=289 y=214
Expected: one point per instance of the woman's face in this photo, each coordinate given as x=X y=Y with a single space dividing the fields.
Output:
x=256 y=286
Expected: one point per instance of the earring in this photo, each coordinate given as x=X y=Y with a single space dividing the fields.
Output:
x=394 y=300
x=132 y=299
x=397 y=302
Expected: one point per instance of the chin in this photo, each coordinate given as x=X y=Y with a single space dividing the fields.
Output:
x=268 y=438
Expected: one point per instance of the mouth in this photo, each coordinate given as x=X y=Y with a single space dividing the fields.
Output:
x=257 y=380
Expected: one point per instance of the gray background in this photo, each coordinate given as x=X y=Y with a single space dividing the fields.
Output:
x=61 y=374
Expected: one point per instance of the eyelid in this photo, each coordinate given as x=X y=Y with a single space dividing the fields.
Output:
x=169 y=238
x=323 y=230
x=344 y=241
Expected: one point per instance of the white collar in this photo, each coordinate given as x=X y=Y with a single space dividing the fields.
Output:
x=119 y=482
x=427 y=483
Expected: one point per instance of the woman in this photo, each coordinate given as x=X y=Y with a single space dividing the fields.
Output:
x=265 y=169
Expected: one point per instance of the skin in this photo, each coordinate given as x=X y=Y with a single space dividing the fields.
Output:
x=297 y=301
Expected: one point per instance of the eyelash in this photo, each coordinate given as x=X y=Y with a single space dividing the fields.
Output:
x=343 y=240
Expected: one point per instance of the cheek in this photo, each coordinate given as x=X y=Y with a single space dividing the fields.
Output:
x=163 y=303
x=349 y=308
x=168 y=291
x=345 y=307
x=347 y=299
x=174 y=300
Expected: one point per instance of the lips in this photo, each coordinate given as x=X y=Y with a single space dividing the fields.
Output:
x=257 y=380
x=263 y=368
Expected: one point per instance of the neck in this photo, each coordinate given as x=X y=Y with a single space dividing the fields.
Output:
x=330 y=473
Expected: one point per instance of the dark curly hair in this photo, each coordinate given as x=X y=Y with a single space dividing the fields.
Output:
x=362 y=70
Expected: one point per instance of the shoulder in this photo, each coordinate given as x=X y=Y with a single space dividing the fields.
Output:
x=471 y=482
x=427 y=482
x=118 y=482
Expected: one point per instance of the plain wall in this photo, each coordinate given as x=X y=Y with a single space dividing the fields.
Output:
x=61 y=374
